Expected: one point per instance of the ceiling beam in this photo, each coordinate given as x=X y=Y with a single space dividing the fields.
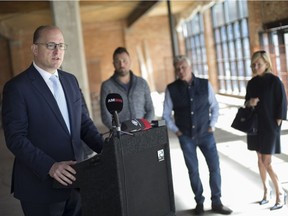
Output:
x=23 y=6
x=140 y=10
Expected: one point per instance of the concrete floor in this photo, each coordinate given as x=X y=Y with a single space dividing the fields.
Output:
x=241 y=186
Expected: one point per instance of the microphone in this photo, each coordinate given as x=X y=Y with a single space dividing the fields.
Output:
x=135 y=125
x=114 y=104
x=117 y=123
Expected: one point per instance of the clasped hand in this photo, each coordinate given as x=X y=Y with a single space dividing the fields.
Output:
x=63 y=172
x=253 y=102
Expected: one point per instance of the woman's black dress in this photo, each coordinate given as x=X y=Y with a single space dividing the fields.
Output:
x=272 y=105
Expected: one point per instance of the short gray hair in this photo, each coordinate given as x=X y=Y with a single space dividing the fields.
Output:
x=181 y=58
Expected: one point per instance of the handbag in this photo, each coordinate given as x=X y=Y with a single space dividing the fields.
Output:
x=246 y=120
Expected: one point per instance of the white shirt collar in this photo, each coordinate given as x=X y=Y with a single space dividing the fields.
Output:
x=45 y=74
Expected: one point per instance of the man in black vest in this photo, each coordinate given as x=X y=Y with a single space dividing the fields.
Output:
x=195 y=112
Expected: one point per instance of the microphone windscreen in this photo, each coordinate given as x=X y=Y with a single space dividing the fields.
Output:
x=114 y=102
x=135 y=125
x=145 y=124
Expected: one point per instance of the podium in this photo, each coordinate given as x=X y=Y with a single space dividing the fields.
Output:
x=131 y=177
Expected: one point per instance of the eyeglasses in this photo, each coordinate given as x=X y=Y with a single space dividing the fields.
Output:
x=53 y=46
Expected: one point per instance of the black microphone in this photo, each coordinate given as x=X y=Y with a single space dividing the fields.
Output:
x=114 y=104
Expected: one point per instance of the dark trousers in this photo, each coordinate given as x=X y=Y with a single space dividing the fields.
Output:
x=69 y=207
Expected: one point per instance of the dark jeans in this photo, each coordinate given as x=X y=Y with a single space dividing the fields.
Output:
x=70 y=207
x=208 y=147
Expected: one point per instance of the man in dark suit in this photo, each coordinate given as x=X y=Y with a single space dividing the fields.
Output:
x=46 y=143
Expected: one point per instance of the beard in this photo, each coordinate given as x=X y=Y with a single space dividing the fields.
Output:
x=122 y=72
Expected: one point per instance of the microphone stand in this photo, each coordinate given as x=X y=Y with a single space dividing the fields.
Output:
x=116 y=123
x=116 y=131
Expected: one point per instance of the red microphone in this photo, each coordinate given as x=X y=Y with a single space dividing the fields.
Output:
x=135 y=125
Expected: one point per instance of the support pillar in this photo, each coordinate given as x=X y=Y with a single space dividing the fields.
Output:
x=66 y=15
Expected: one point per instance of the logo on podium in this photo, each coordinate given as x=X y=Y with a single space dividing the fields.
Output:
x=161 y=155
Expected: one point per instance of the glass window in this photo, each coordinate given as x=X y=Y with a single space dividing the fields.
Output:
x=197 y=40
x=223 y=33
x=248 y=69
x=275 y=42
x=246 y=47
x=277 y=51
x=244 y=28
x=238 y=45
x=232 y=47
x=217 y=36
x=232 y=10
x=225 y=51
x=230 y=32
x=189 y=27
x=232 y=51
x=243 y=10
x=286 y=46
x=219 y=52
x=231 y=37
x=204 y=57
x=195 y=24
x=237 y=32
x=197 y=50
x=240 y=68
x=218 y=15
x=202 y=40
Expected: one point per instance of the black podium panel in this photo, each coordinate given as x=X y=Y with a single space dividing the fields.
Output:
x=131 y=177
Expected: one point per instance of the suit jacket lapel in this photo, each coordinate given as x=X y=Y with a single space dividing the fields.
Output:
x=39 y=83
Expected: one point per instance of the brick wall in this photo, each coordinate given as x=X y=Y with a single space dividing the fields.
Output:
x=5 y=66
x=263 y=12
x=148 y=38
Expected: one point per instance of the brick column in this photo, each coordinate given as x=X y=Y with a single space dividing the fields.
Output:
x=210 y=50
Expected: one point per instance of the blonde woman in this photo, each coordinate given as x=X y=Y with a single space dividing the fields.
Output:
x=265 y=92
